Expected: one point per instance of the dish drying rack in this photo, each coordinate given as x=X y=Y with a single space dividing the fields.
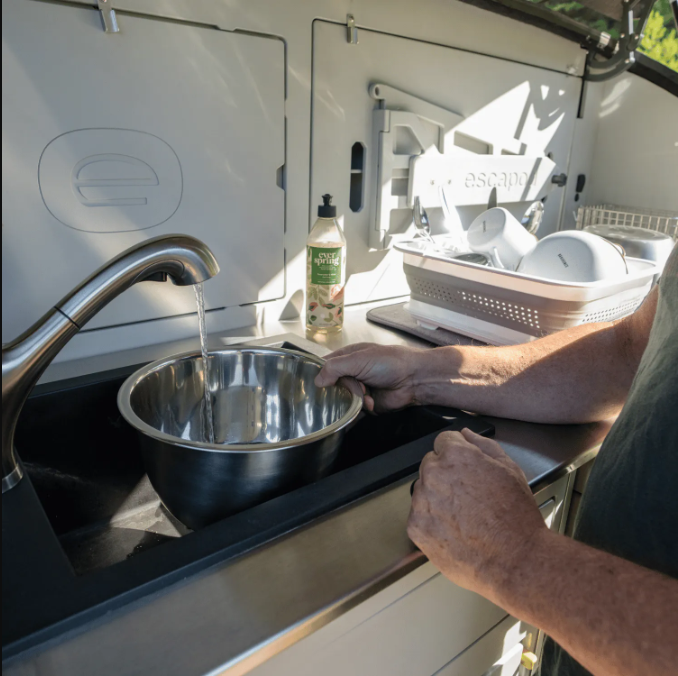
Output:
x=611 y=214
x=501 y=307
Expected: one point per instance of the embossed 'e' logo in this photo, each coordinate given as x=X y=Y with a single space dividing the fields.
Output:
x=110 y=180
x=127 y=171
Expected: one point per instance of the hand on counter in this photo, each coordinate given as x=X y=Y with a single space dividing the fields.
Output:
x=475 y=518
x=473 y=512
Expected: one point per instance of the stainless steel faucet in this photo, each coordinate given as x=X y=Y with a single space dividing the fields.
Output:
x=185 y=260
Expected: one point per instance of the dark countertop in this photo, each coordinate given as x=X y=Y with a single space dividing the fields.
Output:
x=237 y=613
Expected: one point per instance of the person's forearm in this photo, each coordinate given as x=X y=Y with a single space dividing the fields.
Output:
x=614 y=617
x=578 y=375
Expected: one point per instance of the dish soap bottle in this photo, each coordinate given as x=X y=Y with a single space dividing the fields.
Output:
x=325 y=272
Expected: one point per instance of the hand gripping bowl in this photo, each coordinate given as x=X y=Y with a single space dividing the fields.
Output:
x=274 y=429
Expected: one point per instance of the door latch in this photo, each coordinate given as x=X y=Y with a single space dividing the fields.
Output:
x=351 y=30
x=108 y=17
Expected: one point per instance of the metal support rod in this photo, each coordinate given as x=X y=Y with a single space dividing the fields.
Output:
x=624 y=57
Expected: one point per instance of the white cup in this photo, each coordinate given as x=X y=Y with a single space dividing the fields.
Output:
x=501 y=236
x=575 y=256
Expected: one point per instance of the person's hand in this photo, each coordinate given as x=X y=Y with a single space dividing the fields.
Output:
x=473 y=513
x=386 y=373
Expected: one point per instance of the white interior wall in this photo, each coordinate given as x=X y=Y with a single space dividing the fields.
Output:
x=499 y=103
x=161 y=159
x=443 y=22
x=581 y=158
x=635 y=155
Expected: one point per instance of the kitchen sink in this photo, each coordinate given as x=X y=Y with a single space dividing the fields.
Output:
x=88 y=533
x=85 y=464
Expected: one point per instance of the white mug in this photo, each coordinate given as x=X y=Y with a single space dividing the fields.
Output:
x=575 y=256
x=501 y=236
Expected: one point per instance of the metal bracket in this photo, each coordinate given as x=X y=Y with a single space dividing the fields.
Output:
x=438 y=172
x=427 y=125
x=624 y=56
x=108 y=17
x=351 y=30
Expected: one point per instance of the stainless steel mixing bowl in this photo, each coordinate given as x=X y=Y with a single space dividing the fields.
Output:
x=637 y=242
x=274 y=429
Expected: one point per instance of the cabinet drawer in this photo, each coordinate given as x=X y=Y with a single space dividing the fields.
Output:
x=416 y=634
x=421 y=625
x=495 y=654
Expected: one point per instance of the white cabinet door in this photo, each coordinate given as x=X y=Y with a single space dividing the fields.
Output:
x=111 y=139
x=529 y=108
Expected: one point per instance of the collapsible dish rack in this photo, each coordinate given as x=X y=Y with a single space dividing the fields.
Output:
x=501 y=307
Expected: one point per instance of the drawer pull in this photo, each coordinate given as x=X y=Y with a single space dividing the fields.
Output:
x=529 y=660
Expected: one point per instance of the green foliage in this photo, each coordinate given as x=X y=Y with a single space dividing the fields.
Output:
x=659 y=42
x=659 y=39
x=583 y=15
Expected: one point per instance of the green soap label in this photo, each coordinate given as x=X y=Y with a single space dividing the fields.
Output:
x=325 y=265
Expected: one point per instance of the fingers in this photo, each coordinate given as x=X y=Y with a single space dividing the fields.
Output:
x=368 y=403
x=353 y=386
x=468 y=439
x=349 y=349
x=449 y=444
x=336 y=368
x=356 y=387
x=445 y=440
x=491 y=448
x=352 y=364
x=487 y=446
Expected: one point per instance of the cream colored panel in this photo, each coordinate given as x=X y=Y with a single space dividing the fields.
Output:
x=417 y=634
x=502 y=102
x=635 y=159
x=497 y=653
x=112 y=139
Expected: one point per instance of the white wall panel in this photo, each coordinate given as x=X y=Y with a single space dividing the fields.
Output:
x=444 y=22
x=500 y=101
x=635 y=159
x=112 y=139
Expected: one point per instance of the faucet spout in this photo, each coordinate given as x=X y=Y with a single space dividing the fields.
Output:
x=185 y=260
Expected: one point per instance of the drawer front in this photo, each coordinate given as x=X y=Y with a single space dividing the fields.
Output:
x=497 y=653
x=416 y=634
x=421 y=625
